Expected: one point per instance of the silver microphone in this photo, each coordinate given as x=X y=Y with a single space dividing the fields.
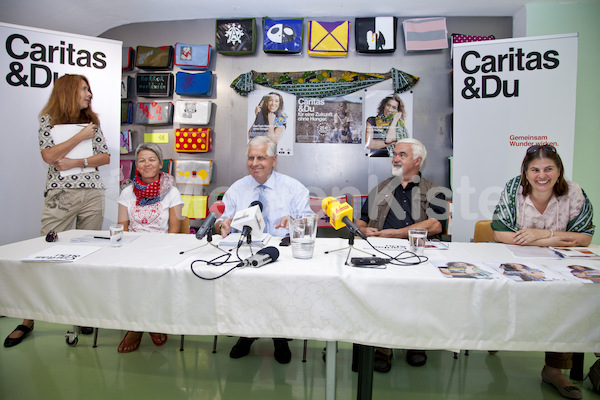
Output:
x=262 y=257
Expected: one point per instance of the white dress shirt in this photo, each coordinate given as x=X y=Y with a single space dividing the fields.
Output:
x=283 y=196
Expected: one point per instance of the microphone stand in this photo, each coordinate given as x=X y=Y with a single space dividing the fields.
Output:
x=209 y=237
x=249 y=241
x=350 y=247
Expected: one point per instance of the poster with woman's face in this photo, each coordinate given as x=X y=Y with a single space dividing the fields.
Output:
x=388 y=118
x=272 y=113
x=329 y=120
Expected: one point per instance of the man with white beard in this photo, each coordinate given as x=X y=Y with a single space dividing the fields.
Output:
x=399 y=203
x=405 y=200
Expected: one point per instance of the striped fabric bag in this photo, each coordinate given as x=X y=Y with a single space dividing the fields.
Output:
x=425 y=34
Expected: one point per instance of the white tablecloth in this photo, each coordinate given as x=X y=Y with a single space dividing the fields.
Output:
x=147 y=285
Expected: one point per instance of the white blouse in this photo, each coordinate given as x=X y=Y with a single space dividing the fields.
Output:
x=556 y=216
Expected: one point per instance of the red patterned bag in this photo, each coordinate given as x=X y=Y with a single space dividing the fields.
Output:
x=461 y=38
x=193 y=140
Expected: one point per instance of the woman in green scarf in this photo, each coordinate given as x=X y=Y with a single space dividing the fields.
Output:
x=541 y=208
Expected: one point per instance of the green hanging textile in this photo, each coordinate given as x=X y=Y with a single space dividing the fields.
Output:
x=321 y=83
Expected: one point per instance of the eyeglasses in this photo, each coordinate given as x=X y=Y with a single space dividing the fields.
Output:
x=536 y=147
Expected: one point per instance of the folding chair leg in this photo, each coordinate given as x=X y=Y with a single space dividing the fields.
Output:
x=215 y=344
x=304 y=351
x=95 y=337
x=181 y=344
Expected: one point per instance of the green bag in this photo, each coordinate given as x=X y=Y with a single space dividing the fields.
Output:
x=126 y=112
x=154 y=58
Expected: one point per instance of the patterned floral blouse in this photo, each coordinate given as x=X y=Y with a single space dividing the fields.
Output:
x=84 y=180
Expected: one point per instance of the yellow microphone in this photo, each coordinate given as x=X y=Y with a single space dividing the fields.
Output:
x=340 y=215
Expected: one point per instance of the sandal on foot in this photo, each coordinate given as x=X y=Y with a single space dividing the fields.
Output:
x=382 y=362
x=158 y=338
x=10 y=342
x=416 y=358
x=125 y=347
x=86 y=330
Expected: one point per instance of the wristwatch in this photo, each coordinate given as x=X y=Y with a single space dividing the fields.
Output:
x=85 y=163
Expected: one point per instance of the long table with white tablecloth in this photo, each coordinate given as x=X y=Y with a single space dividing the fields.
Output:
x=148 y=285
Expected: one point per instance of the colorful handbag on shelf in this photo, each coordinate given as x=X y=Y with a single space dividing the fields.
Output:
x=125 y=142
x=193 y=140
x=236 y=37
x=193 y=172
x=194 y=207
x=192 y=112
x=192 y=56
x=127 y=170
x=156 y=113
x=168 y=166
x=194 y=84
x=125 y=86
x=425 y=34
x=462 y=38
x=127 y=59
x=375 y=34
x=282 y=36
x=154 y=58
x=328 y=39
x=154 y=84
x=126 y=112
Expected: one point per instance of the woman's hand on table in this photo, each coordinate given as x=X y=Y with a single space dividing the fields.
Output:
x=528 y=235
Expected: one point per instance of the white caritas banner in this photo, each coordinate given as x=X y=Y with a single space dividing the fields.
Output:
x=508 y=94
x=30 y=60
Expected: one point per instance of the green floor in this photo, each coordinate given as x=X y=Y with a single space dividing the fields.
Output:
x=44 y=367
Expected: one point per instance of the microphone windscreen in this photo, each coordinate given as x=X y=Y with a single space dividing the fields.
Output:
x=328 y=203
x=336 y=211
x=257 y=203
x=210 y=218
x=218 y=207
x=251 y=218
x=207 y=225
x=270 y=251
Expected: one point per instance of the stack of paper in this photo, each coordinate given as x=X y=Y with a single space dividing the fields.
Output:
x=61 y=253
x=575 y=252
x=62 y=133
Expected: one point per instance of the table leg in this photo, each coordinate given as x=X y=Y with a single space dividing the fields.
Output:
x=365 y=372
x=330 y=365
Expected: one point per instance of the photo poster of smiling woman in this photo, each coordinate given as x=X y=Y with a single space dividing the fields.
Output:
x=329 y=120
x=272 y=113
x=388 y=118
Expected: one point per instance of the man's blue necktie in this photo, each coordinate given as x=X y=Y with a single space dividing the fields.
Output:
x=262 y=197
